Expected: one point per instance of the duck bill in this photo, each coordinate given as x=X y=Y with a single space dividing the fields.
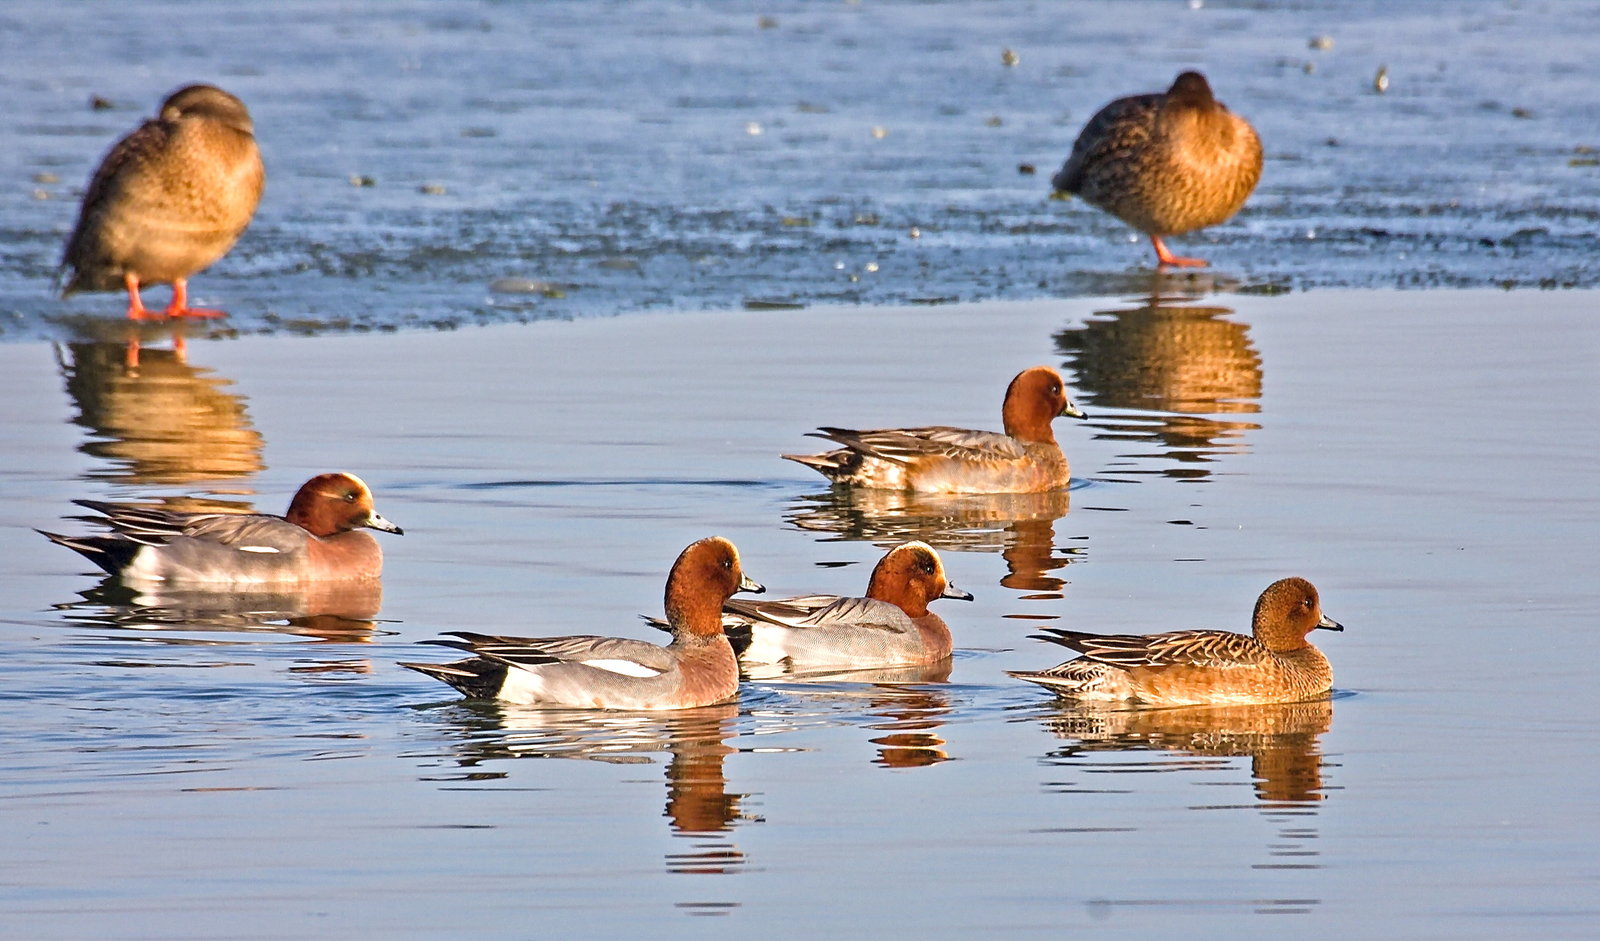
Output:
x=382 y=525
x=1071 y=411
x=746 y=583
x=951 y=591
x=1329 y=624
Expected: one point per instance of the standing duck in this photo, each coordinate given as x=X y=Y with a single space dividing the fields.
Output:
x=1188 y=668
x=167 y=201
x=1165 y=163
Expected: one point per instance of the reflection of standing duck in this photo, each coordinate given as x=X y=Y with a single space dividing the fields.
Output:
x=162 y=421
x=1183 y=363
x=1282 y=739
x=1165 y=163
x=168 y=200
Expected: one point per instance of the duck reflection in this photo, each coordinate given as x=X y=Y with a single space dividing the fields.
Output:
x=155 y=418
x=340 y=613
x=698 y=804
x=1180 y=363
x=1282 y=741
x=1018 y=526
x=878 y=700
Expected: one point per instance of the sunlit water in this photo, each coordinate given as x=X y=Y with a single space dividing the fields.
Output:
x=182 y=767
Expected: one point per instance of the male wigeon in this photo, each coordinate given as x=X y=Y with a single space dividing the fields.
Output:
x=1182 y=668
x=1025 y=459
x=891 y=626
x=315 y=541
x=697 y=669
x=168 y=200
x=1165 y=163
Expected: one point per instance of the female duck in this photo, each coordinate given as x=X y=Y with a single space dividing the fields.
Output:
x=1183 y=668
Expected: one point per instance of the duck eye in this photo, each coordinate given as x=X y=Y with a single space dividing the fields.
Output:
x=349 y=498
x=727 y=564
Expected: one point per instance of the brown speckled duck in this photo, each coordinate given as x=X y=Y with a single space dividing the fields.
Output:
x=1166 y=163
x=1188 y=668
x=168 y=200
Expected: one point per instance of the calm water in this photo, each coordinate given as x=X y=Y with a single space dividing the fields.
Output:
x=175 y=770
x=254 y=767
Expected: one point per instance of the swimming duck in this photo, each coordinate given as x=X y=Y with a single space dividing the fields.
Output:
x=938 y=458
x=314 y=542
x=1181 y=668
x=697 y=669
x=1165 y=163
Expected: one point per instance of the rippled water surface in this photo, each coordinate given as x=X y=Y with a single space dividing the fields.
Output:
x=181 y=767
x=663 y=241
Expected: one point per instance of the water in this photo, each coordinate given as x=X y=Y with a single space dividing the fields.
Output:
x=715 y=255
x=674 y=155
x=175 y=772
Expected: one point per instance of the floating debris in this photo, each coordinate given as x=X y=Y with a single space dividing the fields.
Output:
x=1320 y=43
x=1521 y=113
x=46 y=178
x=1009 y=58
x=97 y=103
x=767 y=303
x=766 y=22
x=796 y=222
x=753 y=128
x=1380 y=82
x=431 y=189
x=994 y=120
x=361 y=179
x=1027 y=169
x=916 y=233
x=526 y=286
x=879 y=132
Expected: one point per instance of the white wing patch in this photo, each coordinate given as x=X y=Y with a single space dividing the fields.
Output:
x=257 y=549
x=624 y=667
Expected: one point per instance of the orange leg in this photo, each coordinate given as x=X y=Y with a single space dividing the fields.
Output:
x=180 y=303
x=1167 y=258
x=136 y=308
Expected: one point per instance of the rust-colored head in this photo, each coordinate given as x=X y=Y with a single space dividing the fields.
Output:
x=704 y=576
x=208 y=102
x=910 y=576
x=336 y=503
x=1036 y=397
x=1286 y=612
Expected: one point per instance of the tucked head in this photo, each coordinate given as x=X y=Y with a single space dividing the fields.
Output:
x=1286 y=612
x=1191 y=88
x=1034 y=398
x=336 y=503
x=704 y=576
x=910 y=576
x=207 y=101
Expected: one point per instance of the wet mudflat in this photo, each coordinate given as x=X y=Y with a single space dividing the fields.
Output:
x=179 y=770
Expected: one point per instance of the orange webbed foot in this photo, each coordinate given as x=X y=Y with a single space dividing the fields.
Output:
x=1164 y=257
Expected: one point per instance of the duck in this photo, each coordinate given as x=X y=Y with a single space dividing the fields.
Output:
x=588 y=672
x=167 y=201
x=939 y=459
x=1274 y=664
x=890 y=627
x=317 y=541
x=1165 y=163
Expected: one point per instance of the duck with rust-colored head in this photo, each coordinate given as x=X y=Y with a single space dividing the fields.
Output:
x=941 y=459
x=1186 y=668
x=1165 y=163
x=587 y=672
x=316 y=541
x=168 y=201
